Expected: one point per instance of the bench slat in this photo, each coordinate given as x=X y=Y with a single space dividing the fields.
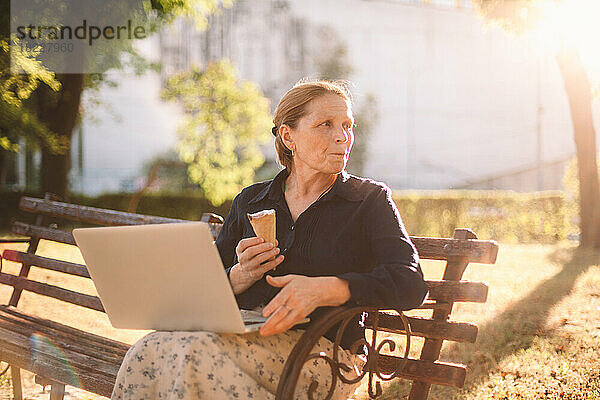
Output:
x=20 y=322
x=45 y=346
x=457 y=291
x=16 y=350
x=43 y=233
x=47 y=263
x=438 y=372
x=87 y=214
x=62 y=342
x=479 y=251
x=424 y=327
x=85 y=336
x=432 y=305
x=56 y=292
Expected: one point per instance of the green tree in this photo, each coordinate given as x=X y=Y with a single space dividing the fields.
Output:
x=226 y=121
x=16 y=120
x=57 y=107
x=524 y=15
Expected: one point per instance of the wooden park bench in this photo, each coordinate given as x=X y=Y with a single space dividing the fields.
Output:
x=60 y=355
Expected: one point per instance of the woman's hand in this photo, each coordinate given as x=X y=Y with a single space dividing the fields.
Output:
x=299 y=297
x=251 y=252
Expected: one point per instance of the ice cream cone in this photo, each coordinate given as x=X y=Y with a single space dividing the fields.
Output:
x=264 y=224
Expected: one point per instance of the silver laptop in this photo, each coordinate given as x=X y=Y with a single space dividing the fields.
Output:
x=163 y=277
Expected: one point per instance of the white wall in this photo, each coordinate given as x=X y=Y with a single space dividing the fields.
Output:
x=457 y=101
x=130 y=127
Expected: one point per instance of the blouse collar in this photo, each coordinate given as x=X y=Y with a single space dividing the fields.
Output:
x=343 y=187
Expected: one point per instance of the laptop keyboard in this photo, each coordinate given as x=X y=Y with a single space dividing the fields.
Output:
x=252 y=317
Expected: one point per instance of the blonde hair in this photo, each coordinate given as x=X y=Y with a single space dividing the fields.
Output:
x=292 y=107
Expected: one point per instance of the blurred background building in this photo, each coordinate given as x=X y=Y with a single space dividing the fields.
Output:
x=459 y=104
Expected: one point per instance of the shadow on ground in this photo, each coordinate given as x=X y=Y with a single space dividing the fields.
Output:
x=512 y=330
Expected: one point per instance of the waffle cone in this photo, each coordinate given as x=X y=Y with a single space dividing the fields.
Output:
x=264 y=224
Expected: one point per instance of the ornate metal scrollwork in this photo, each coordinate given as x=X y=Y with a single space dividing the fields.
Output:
x=300 y=355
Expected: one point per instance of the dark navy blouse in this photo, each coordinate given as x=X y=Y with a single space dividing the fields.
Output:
x=353 y=232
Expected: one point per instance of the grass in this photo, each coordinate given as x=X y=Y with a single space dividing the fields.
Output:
x=539 y=332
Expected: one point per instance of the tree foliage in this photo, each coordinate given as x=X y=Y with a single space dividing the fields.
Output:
x=47 y=119
x=516 y=16
x=225 y=122
x=15 y=119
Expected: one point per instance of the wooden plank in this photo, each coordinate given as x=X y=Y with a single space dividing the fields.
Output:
x=215 y=223
x=211 y=218
x=455 y=267
x=49 y=366
x=31 y=249
x=43 y=233
x=8 y=312
x=63 y=342
x=423 y=327
x=44 y=348
x=479 y=251
x=57 y=391
x=431 y=305
x=82 y=339
x=457 y=291
x=40 y=380
x=15 y=375
x=56 y=292
x=87 y=214
x=438 y=372
x=47 y=263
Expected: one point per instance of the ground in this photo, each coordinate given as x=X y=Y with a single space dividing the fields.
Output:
x=539 y=332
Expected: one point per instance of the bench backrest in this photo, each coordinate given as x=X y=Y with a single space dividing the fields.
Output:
x=458 y=252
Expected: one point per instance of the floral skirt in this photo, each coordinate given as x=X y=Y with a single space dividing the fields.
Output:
x=206 y=365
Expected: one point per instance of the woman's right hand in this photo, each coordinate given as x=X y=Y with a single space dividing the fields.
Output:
x=251 y=252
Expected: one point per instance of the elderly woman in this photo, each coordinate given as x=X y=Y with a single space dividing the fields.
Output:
x=340 y=241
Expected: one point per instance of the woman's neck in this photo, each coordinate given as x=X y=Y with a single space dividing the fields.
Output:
x=306 y=184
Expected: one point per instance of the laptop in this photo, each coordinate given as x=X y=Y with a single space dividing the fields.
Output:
x=166 y=277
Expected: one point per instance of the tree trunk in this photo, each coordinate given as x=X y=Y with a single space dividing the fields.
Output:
x=579 y=93
x=3 y=167
x=60 y=112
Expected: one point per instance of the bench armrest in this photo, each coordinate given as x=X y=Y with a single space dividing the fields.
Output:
x=300 y=354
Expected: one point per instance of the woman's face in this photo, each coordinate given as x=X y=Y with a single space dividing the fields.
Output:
x=323 y=138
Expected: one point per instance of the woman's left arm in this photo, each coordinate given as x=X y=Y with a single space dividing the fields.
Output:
x=396 y=281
